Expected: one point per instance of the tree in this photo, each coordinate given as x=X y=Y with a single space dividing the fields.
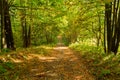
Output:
x=112 y=25
x=26 y=30
x=6 y=29
x=3 y=43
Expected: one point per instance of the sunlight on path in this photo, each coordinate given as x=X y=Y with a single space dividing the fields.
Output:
x=61 y=64
x=57 y=48
x=64 y=66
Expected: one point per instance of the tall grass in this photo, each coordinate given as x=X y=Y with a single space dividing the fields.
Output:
x=101 y=65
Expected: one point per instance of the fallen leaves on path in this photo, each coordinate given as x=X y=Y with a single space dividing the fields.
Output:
x=61 y=63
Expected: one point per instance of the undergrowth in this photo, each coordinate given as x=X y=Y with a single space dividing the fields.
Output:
x=103 y=66
x=9 y=68
x=7 y=71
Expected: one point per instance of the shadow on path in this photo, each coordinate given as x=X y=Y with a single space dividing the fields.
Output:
x=61 y=64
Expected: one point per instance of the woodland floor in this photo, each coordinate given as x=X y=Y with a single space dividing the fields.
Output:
x=61 y=63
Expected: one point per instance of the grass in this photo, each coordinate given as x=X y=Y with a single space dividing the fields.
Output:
x=9 y=68
x=101 y=65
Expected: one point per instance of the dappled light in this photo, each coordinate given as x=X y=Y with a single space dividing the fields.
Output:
x=55 y=65
x=108 y=57
x=59 y=39
x=59 y=48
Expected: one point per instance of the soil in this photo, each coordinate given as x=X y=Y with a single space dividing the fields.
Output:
x=61 y=63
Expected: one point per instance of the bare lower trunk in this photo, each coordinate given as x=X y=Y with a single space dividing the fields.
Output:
x=6 y=29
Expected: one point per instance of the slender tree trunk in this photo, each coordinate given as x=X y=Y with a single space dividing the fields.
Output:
x=3 y=42
x=99 y=30
x=30 y=26
x=112 y=19
x=115 y=49
x=105 y=49
x=25 y=33
x=108 y=11
x=116 y=22
x=26 y=30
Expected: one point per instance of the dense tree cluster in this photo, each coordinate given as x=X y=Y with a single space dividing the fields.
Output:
x=35 y=22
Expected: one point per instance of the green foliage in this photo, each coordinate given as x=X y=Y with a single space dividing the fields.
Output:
x=6 y=66
x=2 y=69
x=50 y=18
x=39 y=50
x=75 y=20
x=104 y=72
x=7 y=71
x=103 y=66
x=86 y=47
x=44 y=21
x=4 y=51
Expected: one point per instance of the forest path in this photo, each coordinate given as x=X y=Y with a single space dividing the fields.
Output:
x=61 y=64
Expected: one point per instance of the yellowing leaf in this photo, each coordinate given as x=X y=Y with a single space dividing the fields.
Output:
x=108 y=1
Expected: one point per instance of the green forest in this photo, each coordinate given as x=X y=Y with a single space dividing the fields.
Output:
x=59 y=39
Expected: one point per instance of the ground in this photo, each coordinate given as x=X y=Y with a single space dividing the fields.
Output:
x=61 y=63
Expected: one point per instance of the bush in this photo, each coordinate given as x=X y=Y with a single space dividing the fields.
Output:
x=101 y=65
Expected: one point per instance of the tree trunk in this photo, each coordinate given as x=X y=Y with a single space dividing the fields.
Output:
x=26 y=32
x=108 y=11
x=112 y=19
x=6 y=28
x=3 y=43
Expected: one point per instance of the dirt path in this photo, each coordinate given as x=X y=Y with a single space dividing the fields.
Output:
x=61 y=64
